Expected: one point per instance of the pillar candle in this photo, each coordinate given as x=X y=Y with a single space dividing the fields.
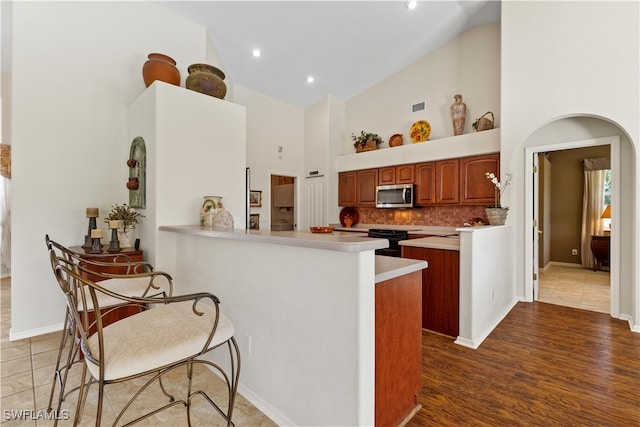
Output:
x=96 y=233
x=114 y=224
x=92 y=212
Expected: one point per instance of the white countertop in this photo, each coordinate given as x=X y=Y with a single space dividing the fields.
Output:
x=388 y=267
x=341 y=242
x=447 y=243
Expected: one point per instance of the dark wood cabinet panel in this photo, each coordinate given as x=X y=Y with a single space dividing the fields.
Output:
x=398 y=364
x=402 y=174
x=475 y=188
x=366 y=183
x=425 y=191
x=447 y=181
x=347 y=188
x=405 y=174
x=387 y=176
x=440 y=288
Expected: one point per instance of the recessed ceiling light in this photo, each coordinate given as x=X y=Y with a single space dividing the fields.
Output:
x=310 y=79
x=411 y=4
x=256 y=53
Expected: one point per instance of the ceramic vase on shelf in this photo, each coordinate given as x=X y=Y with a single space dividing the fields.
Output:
x=458 y=114
x=160 y=67
x=123 y=237
x=208 y=210
x=207 y=79
x=497 y=216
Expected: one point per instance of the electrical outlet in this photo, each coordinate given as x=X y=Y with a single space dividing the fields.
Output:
x=574 y=251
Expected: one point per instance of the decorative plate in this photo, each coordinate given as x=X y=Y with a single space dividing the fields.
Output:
x=420 y=131
x=349 y=217
x=321 y=229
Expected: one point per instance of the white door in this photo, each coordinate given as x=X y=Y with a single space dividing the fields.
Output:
x=315 y=209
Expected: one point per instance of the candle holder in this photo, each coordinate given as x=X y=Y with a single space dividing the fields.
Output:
x=96 y=246
x=114 y=243
x=87 y=238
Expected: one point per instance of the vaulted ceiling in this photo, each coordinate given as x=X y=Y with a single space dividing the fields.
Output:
x=347 y=46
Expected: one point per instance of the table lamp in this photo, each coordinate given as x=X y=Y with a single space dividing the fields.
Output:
x=606 y=214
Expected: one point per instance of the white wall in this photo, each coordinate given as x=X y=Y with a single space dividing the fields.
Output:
x=585 y=62
x=73 y=78
x=195 y=147
x=469 y=65
x=271 y=123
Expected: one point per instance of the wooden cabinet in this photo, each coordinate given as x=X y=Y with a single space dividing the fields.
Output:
x=425 y=189
x=475 y=188
x=398 y=340
x=402 y=174
x=134 y=255
x=440 y=288
x=600 y=247
x=366 y=183
x=347 y=188
x=447 y=181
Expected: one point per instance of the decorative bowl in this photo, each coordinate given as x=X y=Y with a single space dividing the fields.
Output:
x=321 y=229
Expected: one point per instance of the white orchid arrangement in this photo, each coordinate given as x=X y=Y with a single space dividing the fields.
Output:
x=500 y=187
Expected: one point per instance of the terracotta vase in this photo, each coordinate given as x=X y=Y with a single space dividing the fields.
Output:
x=207 y=79
x=133 y=184
x=160 y=67
x=458 y=114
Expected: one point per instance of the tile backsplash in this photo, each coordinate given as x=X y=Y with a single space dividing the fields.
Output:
x=443 y=216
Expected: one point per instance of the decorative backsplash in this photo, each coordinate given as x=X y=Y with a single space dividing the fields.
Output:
x=443 y=216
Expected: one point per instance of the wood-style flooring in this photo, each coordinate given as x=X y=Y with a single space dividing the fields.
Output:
x=544 y=365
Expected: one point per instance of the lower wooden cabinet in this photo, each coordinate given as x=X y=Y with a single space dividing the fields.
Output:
x=440 y=288
x=398 y=365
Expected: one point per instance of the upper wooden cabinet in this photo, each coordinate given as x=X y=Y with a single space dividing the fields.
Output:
x=425 y=191
x=475 y=188
x=447 y=184
x=347 y=188
x=451 y=181
x=366 y=183
x=402 y=174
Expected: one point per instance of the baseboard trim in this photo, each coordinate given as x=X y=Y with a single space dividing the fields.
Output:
x=30 y=333
x=565 y=264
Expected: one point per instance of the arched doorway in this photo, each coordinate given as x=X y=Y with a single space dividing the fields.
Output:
x=573 y=132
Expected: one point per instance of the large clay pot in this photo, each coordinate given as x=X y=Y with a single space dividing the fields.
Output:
x=207 y=79
x=160 y=67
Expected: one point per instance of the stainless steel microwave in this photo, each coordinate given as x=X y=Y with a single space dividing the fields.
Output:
x=394 y=196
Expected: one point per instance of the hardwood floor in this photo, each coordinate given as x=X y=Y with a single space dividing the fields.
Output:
x=544 y=365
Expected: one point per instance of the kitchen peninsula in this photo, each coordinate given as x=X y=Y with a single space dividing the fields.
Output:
x=312 y=313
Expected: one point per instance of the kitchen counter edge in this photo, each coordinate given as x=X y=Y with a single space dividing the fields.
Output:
x=388 y=268
x=306 y=239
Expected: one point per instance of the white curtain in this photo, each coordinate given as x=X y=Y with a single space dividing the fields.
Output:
x=592 y=206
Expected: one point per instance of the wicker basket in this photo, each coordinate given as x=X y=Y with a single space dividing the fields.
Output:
x=483 y=123
x=368 y=146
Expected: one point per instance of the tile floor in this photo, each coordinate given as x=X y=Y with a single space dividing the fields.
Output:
x=26 y=374
x=576 y=287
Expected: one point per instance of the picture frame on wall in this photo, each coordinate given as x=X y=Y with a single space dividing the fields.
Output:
x=255 y=198
x=254 y=221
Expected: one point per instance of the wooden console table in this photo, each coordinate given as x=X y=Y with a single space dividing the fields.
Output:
x=600 y=247
x=111 y=315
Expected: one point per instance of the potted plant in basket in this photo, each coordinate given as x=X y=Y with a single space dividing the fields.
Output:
x=366 y=141
x=496 y=214
x=128 y=219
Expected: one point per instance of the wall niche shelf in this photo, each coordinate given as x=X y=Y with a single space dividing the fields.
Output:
x=468 y=144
